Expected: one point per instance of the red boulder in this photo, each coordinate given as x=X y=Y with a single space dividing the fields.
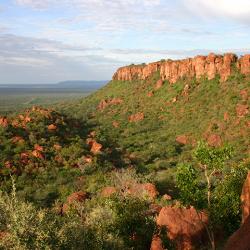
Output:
x=241 y=110
x=185 y=226
x=245 y=198
x=182 y=139
x=214 y=140
x=136 y=117
x=74 y=198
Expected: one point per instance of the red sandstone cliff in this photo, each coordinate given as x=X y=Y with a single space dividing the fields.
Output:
x=198 y=66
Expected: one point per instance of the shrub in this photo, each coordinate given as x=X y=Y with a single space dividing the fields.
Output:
x=25 y=227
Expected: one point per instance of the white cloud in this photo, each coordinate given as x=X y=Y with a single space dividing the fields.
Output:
x=40 y=60
x=233 y=9
x=105 y=15
x=36 y=4
x=25 y=61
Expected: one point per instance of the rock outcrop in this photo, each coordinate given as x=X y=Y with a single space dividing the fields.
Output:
x=245 y=198
x=199 y=66
x=240 y=240
x=185 y=226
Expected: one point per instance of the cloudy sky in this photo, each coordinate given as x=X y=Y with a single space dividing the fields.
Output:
x=45 y=41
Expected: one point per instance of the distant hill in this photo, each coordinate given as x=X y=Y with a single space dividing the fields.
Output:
x=86 y=85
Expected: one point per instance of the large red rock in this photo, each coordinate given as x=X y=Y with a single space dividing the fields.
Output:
x=96 y=147
x=37 y=154
x=149 y=189
x=3 y=122
x=240 y=240
x=74 y=198
x=199 y=66
x=245 y=198
x=52 y=127
x=214 y=140
x=182 y=139
x=105 y=103
x=241 y=110
x=185 y=226
x=136 y=117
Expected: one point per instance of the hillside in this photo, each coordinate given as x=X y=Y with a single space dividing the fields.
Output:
x=160 y=123
x=136 y=148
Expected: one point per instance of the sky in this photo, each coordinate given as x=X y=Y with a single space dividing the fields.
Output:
x=46 y=41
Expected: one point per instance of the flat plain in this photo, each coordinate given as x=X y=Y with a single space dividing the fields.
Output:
x=17 y=98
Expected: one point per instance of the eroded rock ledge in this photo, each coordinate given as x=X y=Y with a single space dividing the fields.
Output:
x=199 y=66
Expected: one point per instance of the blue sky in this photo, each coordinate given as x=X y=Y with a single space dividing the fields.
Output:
x=45 y=41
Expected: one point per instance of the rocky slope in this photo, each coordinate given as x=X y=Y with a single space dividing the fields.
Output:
x=199 y=66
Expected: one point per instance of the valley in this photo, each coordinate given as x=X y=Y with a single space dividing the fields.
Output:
x=155 y=159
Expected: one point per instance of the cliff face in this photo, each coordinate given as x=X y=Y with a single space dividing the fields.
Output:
x=192 y=67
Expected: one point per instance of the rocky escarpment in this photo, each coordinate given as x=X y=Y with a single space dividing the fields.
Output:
x=199 y=66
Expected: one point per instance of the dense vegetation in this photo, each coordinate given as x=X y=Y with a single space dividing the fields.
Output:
x=174 y=136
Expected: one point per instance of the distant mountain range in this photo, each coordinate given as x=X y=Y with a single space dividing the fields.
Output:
x=86 y=85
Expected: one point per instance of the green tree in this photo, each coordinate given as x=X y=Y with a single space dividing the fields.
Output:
x=211 y=162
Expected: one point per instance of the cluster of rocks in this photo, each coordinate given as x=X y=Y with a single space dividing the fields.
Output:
x=186 y=226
